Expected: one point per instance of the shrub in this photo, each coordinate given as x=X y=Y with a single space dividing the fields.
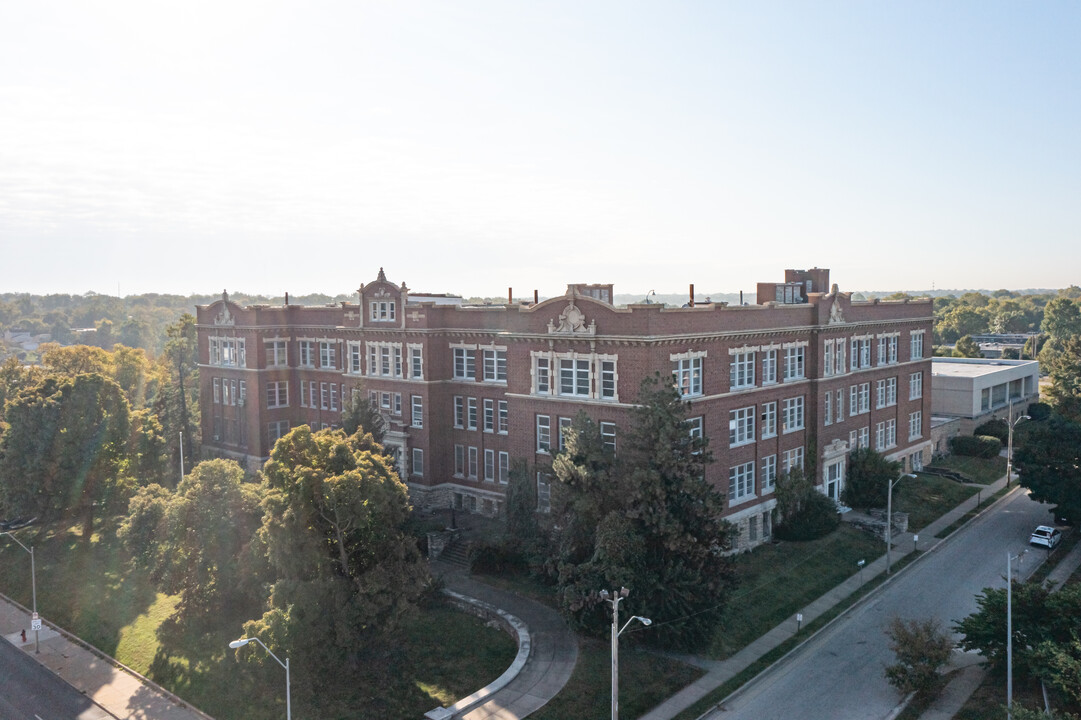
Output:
x=816 y=518
x=497 y=558
x=982 y=446
x=921 y=648
x=1039 y=411
x=994 y=428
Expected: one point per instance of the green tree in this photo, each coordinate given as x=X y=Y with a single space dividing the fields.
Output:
x=647 y=520
x=1062 y=319
x=803 y=513
x=1064 y=370
x=359 y=412
x=1048 y=457
x=921 y=648
x=334 y=510
x=179 y=400
x=966 y=347
x=868 y=477
x=962 y=320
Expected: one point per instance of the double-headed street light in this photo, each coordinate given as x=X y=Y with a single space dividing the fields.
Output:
x=613 y=599
x=889 y=518
x=33 y=589
x=244 y=641
x=1009 y=443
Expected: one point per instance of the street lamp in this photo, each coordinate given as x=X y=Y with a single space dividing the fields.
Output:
x=244 y=641
x=889 y=518
x=1009 y=444
x=613 y=599
x=33 y=588
x=1009 y=629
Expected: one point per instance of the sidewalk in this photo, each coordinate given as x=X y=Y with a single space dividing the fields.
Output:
x=550 y=657
x=122 y=694
x=721 y=671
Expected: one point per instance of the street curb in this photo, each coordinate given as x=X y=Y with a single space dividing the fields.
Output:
x=857 y=604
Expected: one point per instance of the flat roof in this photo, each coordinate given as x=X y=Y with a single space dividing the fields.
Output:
x=975 y=367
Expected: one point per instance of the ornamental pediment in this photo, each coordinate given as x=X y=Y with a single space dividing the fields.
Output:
x=572 y=321
x=224 y=317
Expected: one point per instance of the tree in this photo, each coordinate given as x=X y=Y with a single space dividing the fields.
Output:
x=646 y=519
x=1061 y=319
x=359 y=412
x=198 y=541
x=1048 y=458
x=966 y=347
x=1064 y=370
x=803 y=513
x=178 y=405
x=921 y=648
x=868 y=478
x=346 y=572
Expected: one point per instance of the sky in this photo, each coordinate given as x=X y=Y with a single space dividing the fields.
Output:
x=469 y=146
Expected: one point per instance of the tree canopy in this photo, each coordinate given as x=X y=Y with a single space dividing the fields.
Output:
x=1048 y=458
x=868 y=477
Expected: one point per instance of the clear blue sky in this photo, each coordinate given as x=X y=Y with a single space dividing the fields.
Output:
x=471 y=146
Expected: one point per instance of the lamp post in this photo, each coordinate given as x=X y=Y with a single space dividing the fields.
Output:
x=889 y=518
x=33 y=587
x=1009 y=629
x=244 y=641
x=1009 y=443
x=613 y=599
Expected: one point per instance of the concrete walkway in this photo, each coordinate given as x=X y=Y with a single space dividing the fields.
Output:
x=122 y=694
x=552 y=652
x=720 y=672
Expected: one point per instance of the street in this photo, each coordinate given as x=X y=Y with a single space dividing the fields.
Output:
x=29 y=691
x=839 y=674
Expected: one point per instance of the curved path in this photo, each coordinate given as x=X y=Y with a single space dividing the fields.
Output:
x=553 y=649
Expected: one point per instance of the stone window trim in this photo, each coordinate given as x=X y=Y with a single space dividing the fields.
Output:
x=595 y=374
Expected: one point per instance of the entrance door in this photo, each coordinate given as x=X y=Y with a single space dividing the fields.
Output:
x=834 y=480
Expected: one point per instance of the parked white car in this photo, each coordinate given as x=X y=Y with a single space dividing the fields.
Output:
x=1045 y=536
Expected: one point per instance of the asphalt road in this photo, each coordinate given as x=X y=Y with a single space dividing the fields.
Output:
x=838 y=675
x=29 y=691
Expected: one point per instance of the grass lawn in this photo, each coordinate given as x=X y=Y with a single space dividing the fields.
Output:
x=928 y=497
x=91 y=590
x=979 y=470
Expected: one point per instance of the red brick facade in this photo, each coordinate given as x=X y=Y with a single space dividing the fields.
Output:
x=468 y=390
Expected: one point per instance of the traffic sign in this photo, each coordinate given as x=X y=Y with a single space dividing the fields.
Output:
x=35 y=624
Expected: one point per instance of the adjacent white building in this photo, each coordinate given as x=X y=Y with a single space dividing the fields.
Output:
x=976 y=390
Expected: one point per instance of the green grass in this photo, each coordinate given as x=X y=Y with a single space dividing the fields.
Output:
x=91 y=590
x=776 y=581
x=645 y=680
x=979 y=470
x=928 y=497
x=984 y=502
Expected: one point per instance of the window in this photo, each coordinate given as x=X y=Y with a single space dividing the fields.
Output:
x=794 y=362
x=276 y=353
x=217 y=390
x=489 y=465
x=307 y=353
x=792 y=414
x=373 y=359
x=385 y=367
x=687 y=373
x=769 y=367
x=504 y=467
x=915 y=425
x=752 y=528
x=473 y=462
x=891 y=350
x=741 y=482
x=741 y=371
x=861 y=352
x=694 y=427
x=327 y=353
x=541 y=378
x=741 y=426
x=418 y=462
x=313 y=395
x=564 y=428
x=495 y=365
x=544 y=434
x=574 y=377
x=354 y=358
x=242 y=398
x=323 y=397
x=793 y=459
x=227 y=351
x=334 y=397
x=769 y=473
x=465 y=362
x=916 y=349
x=277 y=394
x=827 y=408
x=459 y=461
x=382 y=310
x=827 y=358
x=834 y=357
x=489 y=415
x=544 y=493
x=891 y=391
x=915 y=385
x=859 y=399
x=839 y=409
x=385 y=400
x=881 y=350
x=459 y=411
x=471 y=413
x=769 y=420
x=885 y=435
x=880 y=393
x=608 y=379
x=504 y=420
x=416 y=362
x=397 y=360
x=608 y=435
x=277 y=430
x=864 y=437
x=417 y=411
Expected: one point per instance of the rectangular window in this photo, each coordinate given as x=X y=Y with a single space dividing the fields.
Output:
x=769 y=473
x=384 y=360
x=794 y=363
x=687 y=373
x=217 y=390
x=741 y=371
x=608 y=379
x=276 y=355
x=915 y=385
x=354 y=358
x=916 y=349
x=313 y=394
x=793 y=459
x=891 y=433
x=277 y=430
x=608 y=435
x=752 y=528
x=489 y=465
x=541 y=378
x=323 y=396
x=416 y=363
x=839 y=410
x=915 y=425
x=459 y=411
x=373 y=359
x=495 y=365
x=891 y=391
x=334 y=397
x=459 y=460
x=792 y=414
x=327 y=357
x=769 y=419
x=741 y=426
x=544 y=434
x=865 y=437
x=827 y=408
x=881 y=350
x=769 y=367
x=880 y=436
x=417 y=411
x=242 y=389
x=384 y=400
x=504 y=417
x=307 y=353
x=489 y=415
x=574 y=377
x=544 y=493
x=382 y=310
x=397 y=402
x=397 y=360
x=418 y=462
x=471 y=413
x=504 y=467
x=741 y=482
x=465 y=364
x=839 y=357
x=277 y=394
x=880 y=393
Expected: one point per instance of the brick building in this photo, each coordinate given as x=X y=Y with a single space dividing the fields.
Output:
x=799 y=378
